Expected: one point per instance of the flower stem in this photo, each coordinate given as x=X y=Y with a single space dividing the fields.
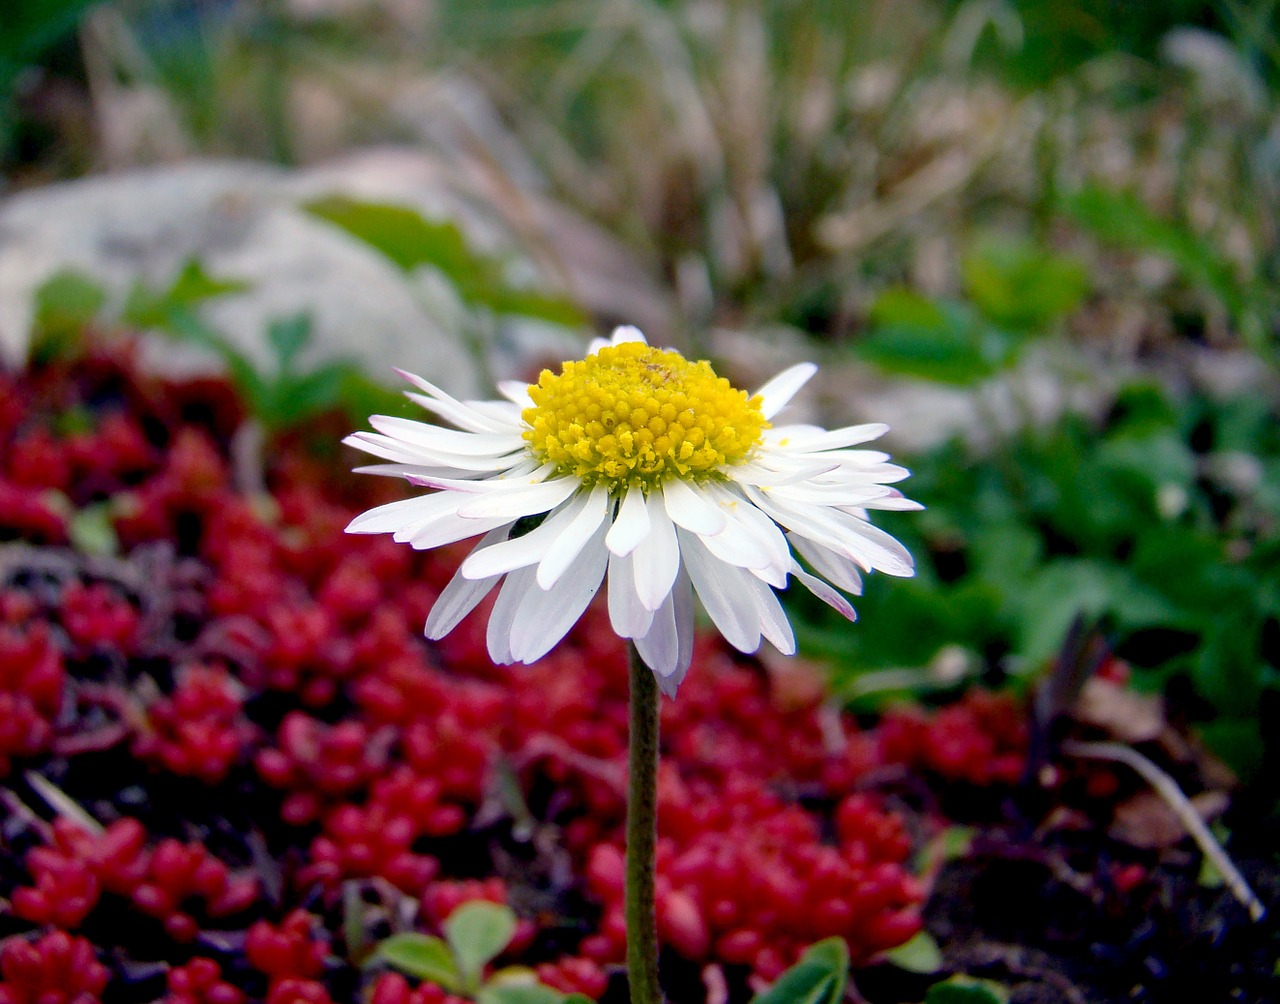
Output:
x=642 y=833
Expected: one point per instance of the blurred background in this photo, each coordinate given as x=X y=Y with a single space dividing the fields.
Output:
x=1037 y=237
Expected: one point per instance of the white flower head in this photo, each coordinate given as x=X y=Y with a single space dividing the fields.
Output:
x=637 y=466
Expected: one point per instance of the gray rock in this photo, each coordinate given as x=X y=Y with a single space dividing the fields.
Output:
x=245 y=221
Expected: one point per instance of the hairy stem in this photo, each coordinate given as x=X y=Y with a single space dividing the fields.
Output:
x=642 y=833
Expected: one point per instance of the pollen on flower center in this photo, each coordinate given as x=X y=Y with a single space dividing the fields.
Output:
x=634 y=415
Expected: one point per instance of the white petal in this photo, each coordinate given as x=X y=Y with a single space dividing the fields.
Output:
x=461 y=595
x=434 y=517
x=450 y=408
x=681 y=599
x=772 y=618
x=690 y=510
x=724 y=593
x=782 y=388
x=622 y=333
x=524 y=473
x=657 y=559
x=520 y=499
x=659 y=648
x=434 y=438
x=460 y=462
x=383 y=446
x=517 y=392
x=894 y=502
x=812 y=438
x=546 y=615
x=575 y=536
x=760 y=527
x=838 y=569
x=419 y=471
x=528 y=549
x=746 y=543
x=825 y=592
x=737 y=546
x=502 y=617
x=502 y=413
x=393 y=515
x=631 y=525
x=447 y=529
x=838 y=494
x=771 y=477
x=842 y=533
x=627 y=615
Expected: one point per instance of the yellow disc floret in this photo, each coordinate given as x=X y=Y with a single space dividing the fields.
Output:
x=634 y=415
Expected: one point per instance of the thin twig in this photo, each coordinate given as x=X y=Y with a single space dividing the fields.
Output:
x=1167 y=788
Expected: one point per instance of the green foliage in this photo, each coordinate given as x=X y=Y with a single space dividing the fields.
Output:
x=410 y=241
x=1016 y=292
x=1122 y=220
x=475 y=934
x=27 y=30
x=1159 y=525
x=65 y=304
x=284 y=395
x=817 y=978
x=92 y=530
x=1021 y=286
x=1058 y=37
x=963 y=990
x=919 y=955
x=421 y=956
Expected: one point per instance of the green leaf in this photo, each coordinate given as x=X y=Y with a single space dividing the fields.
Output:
x=27 y=28
x=65 y=303
x=919 y=955
x=1067 y=587
x=288 y=336
x=1017 y=285
x=477 y=933
x=964 y=990
x=92 y=531
x=192 y=286
x=518 y=993
x=1120 y=218
x=411 y=241
x=422 y=956
x=913 y=336
x=1239 y=742
x=817 y=978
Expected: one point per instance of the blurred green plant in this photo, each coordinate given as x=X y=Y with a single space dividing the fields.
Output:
x=27 y=32
x=818 y=977
x=1058 y=37
x=1016 y=292
x=410 y=241
x=1163 y=522
x=1122 y=220
x=475 y=934
x=283 y=395
x=965 y=990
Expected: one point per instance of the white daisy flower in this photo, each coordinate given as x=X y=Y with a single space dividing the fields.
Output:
x=637 y=466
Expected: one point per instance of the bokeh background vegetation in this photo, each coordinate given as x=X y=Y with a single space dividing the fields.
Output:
x=975 y=200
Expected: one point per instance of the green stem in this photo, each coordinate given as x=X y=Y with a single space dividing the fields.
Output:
x=642 y=833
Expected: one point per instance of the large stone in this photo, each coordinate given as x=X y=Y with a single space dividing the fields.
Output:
x=246 y=221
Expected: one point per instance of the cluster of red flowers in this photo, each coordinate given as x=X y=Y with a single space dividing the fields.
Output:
x=281 y=667
x=165 y=882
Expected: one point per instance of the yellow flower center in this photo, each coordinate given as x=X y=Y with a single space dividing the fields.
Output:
x=634 y=415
